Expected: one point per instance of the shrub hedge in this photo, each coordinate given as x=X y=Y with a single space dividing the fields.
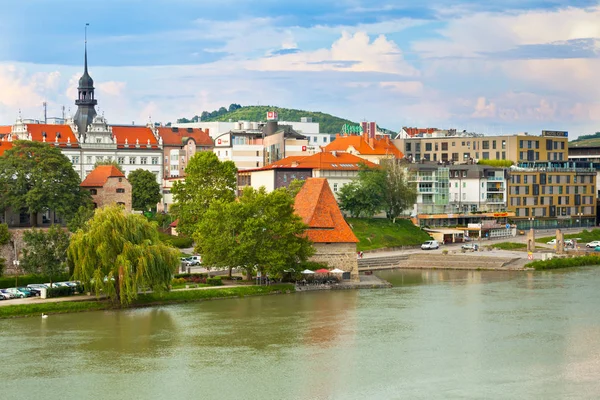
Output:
x=181 y=242
x=556 y=263
x=24 y=280
x=215 y=281
x=62 y=291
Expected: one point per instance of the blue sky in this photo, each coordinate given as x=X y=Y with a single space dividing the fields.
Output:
x=510 y=66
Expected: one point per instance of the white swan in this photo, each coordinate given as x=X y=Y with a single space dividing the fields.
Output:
x=44 y=315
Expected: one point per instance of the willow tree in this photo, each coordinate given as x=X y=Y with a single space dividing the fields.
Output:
x=119 y=254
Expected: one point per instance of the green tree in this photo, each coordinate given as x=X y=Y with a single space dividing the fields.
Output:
x=399 y=194
x=5 y=237
x=83 y=215
x=145 y=190
x=110 y=162
x=46 y=251
x=207 y=180
x=295 y=186
x=260 y=232
x=120 y=254
x=384 y=188
x=38 y=177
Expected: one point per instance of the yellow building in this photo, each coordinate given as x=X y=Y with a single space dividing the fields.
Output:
x=462 y=147
x=550 y=195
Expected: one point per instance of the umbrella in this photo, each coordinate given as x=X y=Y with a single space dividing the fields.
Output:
x=322 y=271
x=337 y=271
x=308 y=271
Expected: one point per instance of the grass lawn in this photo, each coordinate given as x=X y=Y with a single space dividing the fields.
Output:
x=513 y=246
x=558 y=263
x=584 y=237
x=377 y=233
x=185 y=296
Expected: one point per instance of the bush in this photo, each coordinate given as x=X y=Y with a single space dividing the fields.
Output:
x=178 y=281
x=556 y=263
x=214 y=281
x=312 y=265
x=24 y=280
x=496 y=163
x=181 y=242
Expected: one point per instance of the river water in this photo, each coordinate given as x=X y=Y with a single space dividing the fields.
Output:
x=435 y=335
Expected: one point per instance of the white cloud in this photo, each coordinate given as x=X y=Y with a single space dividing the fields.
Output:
x=404 y=87
x=112 y=88
x=350 y=53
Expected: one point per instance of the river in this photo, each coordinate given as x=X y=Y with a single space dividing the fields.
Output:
x=435 y=335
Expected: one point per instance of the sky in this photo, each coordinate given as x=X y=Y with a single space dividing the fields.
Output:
x=505 y=67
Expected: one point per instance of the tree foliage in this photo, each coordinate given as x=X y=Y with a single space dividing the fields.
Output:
x=207 y=180
x=259 y=231
x=145 y=190
x=120 y=254
x=385 y=188
x=46 y=251
x=83 y=215
x=38 y=177
x=110 y=162
x=4 y=239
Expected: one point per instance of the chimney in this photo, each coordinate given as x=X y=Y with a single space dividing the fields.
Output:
x=334 y=153
x=271 y=127
x=206 y=130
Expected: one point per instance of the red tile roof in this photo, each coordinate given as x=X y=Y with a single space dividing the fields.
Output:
x=143 y=134
x=5 y=145
x=179 y=136
x=417 y=131
x=317 y=206
x=52 y=131
x=365 y=145
x=324 y=160
x=100 y=174
x=5 y=129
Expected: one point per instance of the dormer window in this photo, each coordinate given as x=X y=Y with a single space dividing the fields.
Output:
x=98 y=140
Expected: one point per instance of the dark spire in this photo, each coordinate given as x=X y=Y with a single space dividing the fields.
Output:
x=85 y=101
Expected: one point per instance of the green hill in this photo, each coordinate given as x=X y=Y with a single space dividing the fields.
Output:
x=586 y=140
x=327 y=122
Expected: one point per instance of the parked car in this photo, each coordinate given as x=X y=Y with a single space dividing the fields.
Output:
x=593 y=244
x=552 y=242
x=19 y=293
x=6 y=294
x=569 y=243
x=193 y=260
x=597 y=248
x=430 y=245
x=470 y=246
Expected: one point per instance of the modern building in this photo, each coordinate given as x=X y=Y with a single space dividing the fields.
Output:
x=552 y=195
x=107 y=185
x=463 y=147
x=256 y=148
x=339 y=169
x=372 y=149
x=461 y=196
x=332 y=238
x=179 y=145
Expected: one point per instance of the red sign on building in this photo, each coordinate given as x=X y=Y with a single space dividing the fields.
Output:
x=271 y=115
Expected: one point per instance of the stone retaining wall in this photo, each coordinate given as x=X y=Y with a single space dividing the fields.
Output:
x=8 y=251
x=337 y=255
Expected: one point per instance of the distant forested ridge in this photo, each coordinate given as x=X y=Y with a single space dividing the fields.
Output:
x=327 y=122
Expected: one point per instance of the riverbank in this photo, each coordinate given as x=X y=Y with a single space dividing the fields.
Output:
x=565 y=262
x=72 y=304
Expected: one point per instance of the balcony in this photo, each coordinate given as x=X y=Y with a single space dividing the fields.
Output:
x=495 y=199
x=495 y=178
x=495 y=189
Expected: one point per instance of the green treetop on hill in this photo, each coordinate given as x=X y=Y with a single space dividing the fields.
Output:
x=327 y=123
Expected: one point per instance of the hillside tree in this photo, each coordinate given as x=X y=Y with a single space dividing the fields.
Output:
x=145 y=190
x=37 y=177
x=119 y=254
x=207 y=180
x=5 y=237
x=46 y=251
x=260 y=232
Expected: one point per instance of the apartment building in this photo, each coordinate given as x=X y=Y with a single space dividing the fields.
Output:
x=460 y=195
x=552 y=195
x=463 y=147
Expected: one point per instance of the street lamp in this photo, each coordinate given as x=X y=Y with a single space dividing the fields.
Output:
x=531 y=219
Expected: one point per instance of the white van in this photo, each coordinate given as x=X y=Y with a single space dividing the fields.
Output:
x=193 y=260
x=430 y=245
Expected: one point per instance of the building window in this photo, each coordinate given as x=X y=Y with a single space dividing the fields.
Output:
x=93 y=192
x=154 y=160
x=485 y=155
x=444 y=146
x=120 y=190
x=120 y=160
x=144 y=160
x=75 y=159
x=485 y=145
x=88 y=159
x=99 y=158
x=174 y=167
x=335 y=187
x=324 y=139
x=427 y=146
x=131 y=160
x=120 y=179
x=121 y=204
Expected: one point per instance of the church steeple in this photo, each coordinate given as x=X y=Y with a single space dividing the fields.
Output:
x=85 y=100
